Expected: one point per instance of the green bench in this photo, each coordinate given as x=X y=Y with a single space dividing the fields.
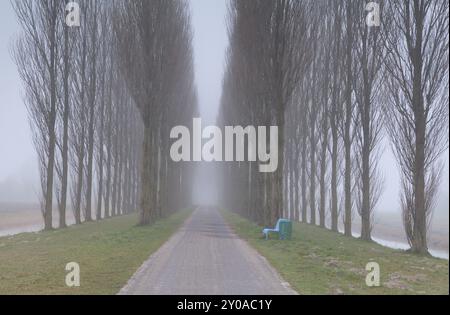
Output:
x=283 y=228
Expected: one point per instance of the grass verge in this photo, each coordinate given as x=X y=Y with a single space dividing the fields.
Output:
x=318 y=261
x=108 y=252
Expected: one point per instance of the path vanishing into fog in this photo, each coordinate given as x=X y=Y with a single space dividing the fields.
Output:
x=206 y=258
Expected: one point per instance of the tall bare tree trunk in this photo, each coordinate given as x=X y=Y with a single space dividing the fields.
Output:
x=420 y=224
x=92 y=103
x=65 y=145
x=48 y=224
x=347 y=124
x=145 y=211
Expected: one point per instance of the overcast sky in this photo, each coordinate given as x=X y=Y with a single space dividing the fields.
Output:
x=18 y=170
x=210 y=43
x=17 y=157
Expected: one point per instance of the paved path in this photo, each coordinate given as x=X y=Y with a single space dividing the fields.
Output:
x=206 y=258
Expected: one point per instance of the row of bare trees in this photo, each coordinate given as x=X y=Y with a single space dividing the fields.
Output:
x=333 y=84
x=156 y=60
x=95 y=93
x=267 y=57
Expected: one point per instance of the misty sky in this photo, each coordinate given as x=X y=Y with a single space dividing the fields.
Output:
x=210 y=43
x=18 y=167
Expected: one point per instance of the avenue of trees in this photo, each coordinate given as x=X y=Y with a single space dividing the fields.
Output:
x=100 y=98
x=158 y=68
x=336 y=87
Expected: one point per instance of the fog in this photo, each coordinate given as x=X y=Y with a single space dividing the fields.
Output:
x=18 y=176
x=18 y=167
x=210 y=42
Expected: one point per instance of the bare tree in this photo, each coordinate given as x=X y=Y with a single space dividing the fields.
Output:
x=336 y=109
x=324 y=120
x=36 y=55
x=369 y=53
x=105 y=57
x=91 y=31
x=65 y=98
x=417 y=105
x=78 y=122
x=347 y=128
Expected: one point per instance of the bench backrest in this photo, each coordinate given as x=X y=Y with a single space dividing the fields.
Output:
x=277 y=227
